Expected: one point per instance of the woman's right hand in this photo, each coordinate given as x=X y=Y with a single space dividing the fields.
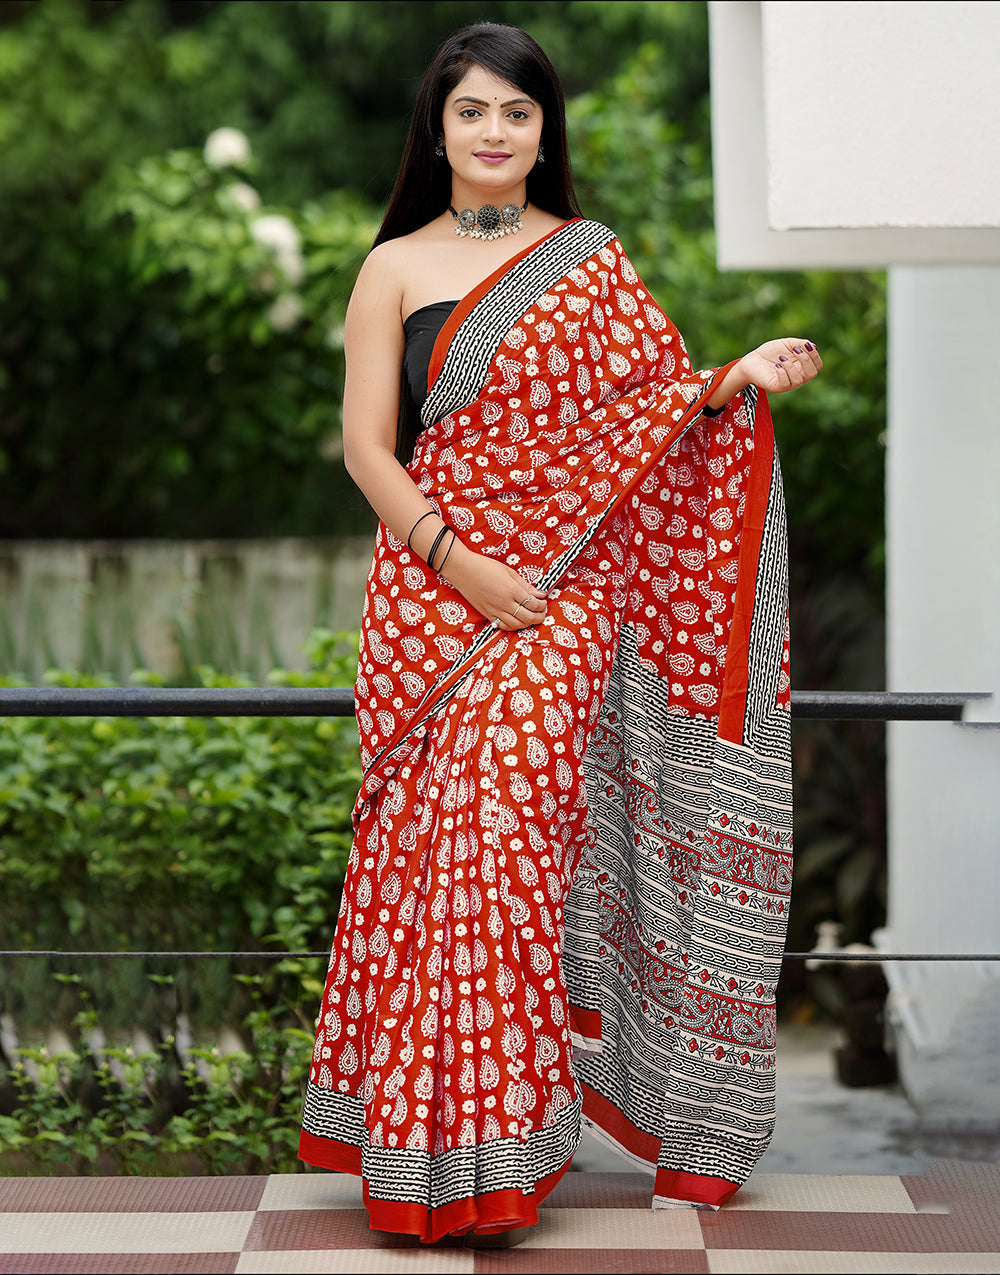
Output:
x=497 y=591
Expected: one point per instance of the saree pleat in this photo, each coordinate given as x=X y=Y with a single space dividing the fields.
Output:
x=567 y=891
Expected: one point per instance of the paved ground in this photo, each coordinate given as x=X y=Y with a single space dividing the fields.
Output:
x=826 y=1128
x=854 y=1181
x=593 y=1224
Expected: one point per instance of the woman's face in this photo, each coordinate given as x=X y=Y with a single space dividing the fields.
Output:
x=491 y=131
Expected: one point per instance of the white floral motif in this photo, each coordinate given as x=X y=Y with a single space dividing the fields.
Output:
x=540 y=395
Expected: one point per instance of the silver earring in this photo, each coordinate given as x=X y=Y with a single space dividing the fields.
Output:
x=541 y=154
x=439 y=148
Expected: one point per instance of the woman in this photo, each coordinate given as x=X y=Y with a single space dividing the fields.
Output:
x=573 y=673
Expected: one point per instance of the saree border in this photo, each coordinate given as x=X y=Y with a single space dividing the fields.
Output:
x=493 y=307
x=695 y=1162
x=742 y=702
x=333 y=1136
x=462 y=310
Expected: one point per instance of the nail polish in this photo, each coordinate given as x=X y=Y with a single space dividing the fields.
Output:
x=796 y=349
x=809 y=347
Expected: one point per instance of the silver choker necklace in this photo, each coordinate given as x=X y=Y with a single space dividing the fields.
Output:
x=489 y=222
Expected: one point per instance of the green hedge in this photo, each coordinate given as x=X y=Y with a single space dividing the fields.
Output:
x=173 y=834
x=96 y=1108
x=169 y=834
x=180 y=834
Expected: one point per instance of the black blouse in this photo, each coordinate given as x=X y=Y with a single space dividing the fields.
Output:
x=421 y=331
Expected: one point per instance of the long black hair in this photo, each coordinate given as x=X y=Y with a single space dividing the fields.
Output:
x=422 y=189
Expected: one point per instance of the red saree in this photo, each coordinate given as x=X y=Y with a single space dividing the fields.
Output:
x=567 y=893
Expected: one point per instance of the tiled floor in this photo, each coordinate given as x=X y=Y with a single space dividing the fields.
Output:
x=945 y=1220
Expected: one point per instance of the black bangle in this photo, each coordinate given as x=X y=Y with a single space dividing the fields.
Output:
x=454 y=537
x=714 y=411
x=436 y=545
x=415 y=526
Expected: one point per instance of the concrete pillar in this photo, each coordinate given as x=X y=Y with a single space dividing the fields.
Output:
x=943 y=612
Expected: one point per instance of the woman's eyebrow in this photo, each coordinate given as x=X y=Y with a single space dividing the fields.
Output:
x=514 y=101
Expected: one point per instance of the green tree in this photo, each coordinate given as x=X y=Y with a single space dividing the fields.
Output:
x=167 y=367
x=144 y=389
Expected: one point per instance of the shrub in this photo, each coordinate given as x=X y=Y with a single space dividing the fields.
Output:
x=175 y=834
x=97 y=1108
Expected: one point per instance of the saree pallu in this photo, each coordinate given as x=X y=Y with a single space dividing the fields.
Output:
x=568 y=889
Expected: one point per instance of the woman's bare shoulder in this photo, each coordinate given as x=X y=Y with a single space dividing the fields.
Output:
x=390 y=266
x=379 y=282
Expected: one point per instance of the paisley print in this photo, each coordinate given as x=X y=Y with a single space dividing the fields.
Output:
x=558 y=829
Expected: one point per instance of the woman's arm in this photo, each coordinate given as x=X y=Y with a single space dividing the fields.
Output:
x=373 y=347
x=776 y=366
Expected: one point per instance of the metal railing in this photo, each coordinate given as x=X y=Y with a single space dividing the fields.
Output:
x=313 y=701
x=269 y=701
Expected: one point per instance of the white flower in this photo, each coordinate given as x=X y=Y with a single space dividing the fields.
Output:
x=226 y=148
x=243 y=196
x=277 y=233
x=292 y=265
x=284 y=313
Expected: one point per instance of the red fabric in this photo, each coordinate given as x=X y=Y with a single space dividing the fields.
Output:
x=485 y=1214
x=618 y=1126
x=443 y=1068
x=498 y=1210
x=328 y=1153
x=733 y=703
x=694 y=1188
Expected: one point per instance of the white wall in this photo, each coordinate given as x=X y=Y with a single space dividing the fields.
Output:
x=114 y=606
x=853 y=135
x=873 y=116
x=881 y=114
x=943 y=633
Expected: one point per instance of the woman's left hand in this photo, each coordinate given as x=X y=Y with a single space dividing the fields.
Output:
x=782 y=365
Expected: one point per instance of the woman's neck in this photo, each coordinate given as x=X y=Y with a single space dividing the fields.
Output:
x=466 y=195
